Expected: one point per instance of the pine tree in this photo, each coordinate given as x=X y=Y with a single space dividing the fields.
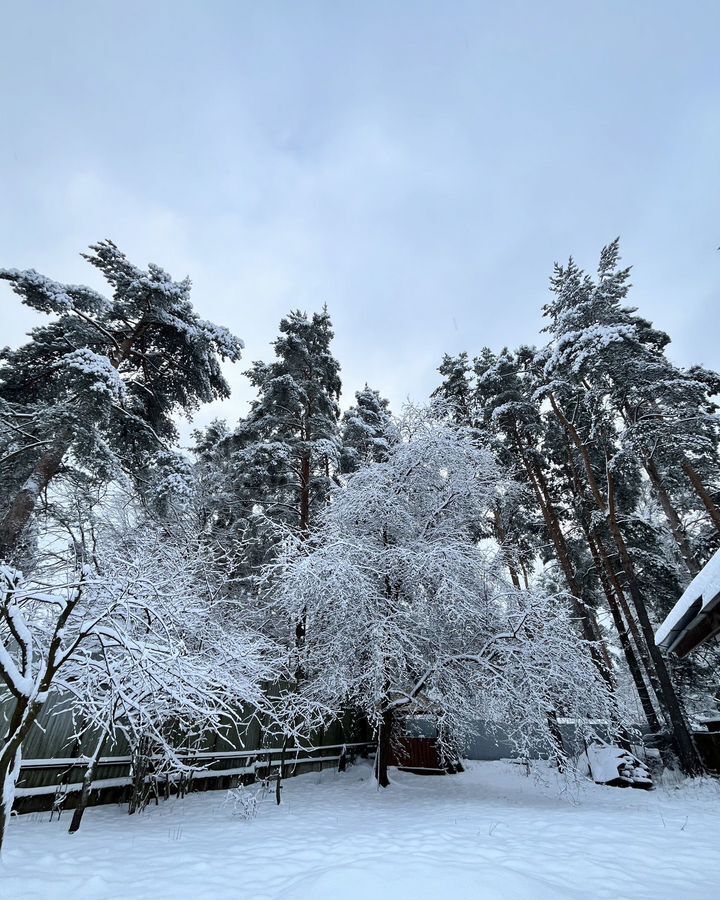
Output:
x=668 y=413
x=368 y=431
x=95 y=390
x=292 y=429
x=593 y=554
x=505 y=402
x=504 y=398
x=579 y=375
x=455 y=390
x=273 y=472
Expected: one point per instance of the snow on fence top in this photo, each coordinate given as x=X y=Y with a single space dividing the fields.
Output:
x=695 y=617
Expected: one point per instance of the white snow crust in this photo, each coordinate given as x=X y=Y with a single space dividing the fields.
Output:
x=491 y=833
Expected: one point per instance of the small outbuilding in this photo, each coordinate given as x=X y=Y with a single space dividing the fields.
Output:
x=695 y=618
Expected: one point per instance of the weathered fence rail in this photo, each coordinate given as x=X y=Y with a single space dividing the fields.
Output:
x=56 y=760
x=206 y=770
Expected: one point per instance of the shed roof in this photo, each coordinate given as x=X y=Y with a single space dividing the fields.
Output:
x=696 y=615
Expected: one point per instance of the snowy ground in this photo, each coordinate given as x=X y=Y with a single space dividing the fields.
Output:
x=489 y=833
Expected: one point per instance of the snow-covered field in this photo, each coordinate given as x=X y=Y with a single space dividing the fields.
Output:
x=489 y=833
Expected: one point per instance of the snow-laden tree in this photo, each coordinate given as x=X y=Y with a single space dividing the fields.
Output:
x=407 y=614
x=368 y=430
x=292 y=428
x=96 y=390
x=274 y=470
x=510 y=422
x=603 y=365
x=143 y=642
x=455 y=391
x=602 y=351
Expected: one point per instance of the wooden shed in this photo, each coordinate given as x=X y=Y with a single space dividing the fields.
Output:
x=415 y=749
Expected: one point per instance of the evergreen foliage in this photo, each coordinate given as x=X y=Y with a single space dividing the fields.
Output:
x=96 y=390
x=368 y=431
x=618 y=448
x=274 y=471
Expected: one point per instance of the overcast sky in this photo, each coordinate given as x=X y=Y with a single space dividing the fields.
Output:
x=416 y=166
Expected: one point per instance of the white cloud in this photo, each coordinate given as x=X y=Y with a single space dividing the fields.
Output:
x=419 y=173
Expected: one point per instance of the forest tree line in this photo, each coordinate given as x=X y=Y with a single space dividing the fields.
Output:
x=504 y=553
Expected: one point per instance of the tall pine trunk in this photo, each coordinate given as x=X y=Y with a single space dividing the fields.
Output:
x=623 y=619
x=304 y=520
x=673 y=519
x=686 y=750
x=17 y=515
x=696 y=481
x=589 y=625
x=676 y=526
x=712 y=509
x=501 y=538
x=623 y=634
x=684 y=746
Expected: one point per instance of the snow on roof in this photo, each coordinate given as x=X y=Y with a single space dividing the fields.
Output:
x=700 y=594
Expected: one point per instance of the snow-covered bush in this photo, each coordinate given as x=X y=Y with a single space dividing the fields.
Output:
x=242 y=802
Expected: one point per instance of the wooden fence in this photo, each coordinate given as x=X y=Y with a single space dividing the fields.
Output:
x=54 y=761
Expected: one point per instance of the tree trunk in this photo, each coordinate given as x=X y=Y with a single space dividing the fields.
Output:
x=688 y=755
x=695 y=480
x=703 y=493
x=557 y=738
x=23 y=718
x=617 y=603
x=88 y=779
x=501 y=538
x=601 y=561
x=590 y=628
x=8 y=779
x=673 y=519
x=27 y=709
x=305 y=495
x=629 y=618
x=383 y=749
x=687 y=752
x=17 y=516
x=140 y=765
x=676 y=526
x=301 y=624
